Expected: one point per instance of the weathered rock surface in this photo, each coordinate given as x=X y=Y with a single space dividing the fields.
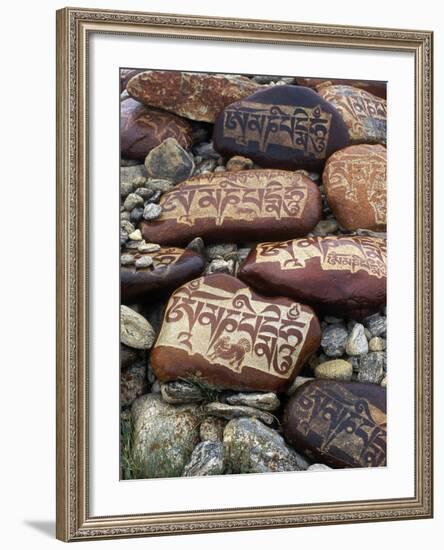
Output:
x=364 y=113
x=252 y=447
x=169 y=161
x=207 y=460
x=371 y=367
x=142 y=129
x=264 y=401
x=355 y=183
x=196 y=96
x=133 y=383
x=334 y=274
x=181 y=391
x=286 y=127
x=217 y=330
x=223 y=410
x=135 y=331
x=212 y=428
x=169 y=268
x=334 y=338
x=237 y=206
x=341 y=424
x=164 y=435
x=375 y=87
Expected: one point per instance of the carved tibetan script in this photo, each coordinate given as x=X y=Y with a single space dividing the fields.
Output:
x=301 y=128
x=234 y=329
x=347 y=254
x=240 y=197
x=340 y=420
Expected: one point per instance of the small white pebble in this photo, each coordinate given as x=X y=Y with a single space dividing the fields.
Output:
x=144 y=261
x=152 y=211
x=135 y=235
x=148 y=247
x=126 y=259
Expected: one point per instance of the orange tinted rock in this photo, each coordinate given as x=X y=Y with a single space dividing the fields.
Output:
x=248 y=205
x=343 y=424
x=364 y=114
x=218 y=330
x=170 y=268
x=142 y=129
x=197 y=96
x=335 y=275
x=355 y=183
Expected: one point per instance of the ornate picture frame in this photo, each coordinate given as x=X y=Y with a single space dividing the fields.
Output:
x=74 y=520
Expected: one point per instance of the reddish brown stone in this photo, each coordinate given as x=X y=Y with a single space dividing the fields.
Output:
x=355 y=183
x=197 y=96
x=333 y=274
x=375 y=87
x=142 y=129
x=285 y=126
x=249 y=205
x=364 y=114
x=216 y=329
x=171 y=268
x=126 y=75
x=343 y=424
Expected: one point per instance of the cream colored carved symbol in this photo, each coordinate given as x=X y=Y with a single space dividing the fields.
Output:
x=351 y=173
x=354 y=425
x=234 y=329
x=351 y=254
x=240 y=197
x=301 y=128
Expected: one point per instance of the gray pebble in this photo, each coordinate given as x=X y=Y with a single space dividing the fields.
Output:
x=155 y=197
x=220 y=266
x=152 y=211
x=334 y=338
x=155 y=184
x=214 y=251
x=144 y=193
x=376 y=324
x=325 y=227
x=371 y=367
x=136 y=214
x=212 y=428
x=169 y=161
x=181 y=391
x=132 y=201
x=126 y=187
x=206 y=459
x=135 y=331
x=143 y=262
x=148 y=247
x=376 y=344
x=222 y=410
x=264 y=401
x=357 y=342
x=125 y=216
x=127 y=226
x=126 y=259
x=318 y=468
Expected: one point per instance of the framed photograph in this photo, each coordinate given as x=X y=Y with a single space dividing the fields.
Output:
x=244 y=274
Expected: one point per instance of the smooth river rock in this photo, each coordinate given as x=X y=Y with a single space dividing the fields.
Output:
x=252 y=447
x=164 y=435
x=142 y=129
x=216 y=330
x=364 y=113
x=355 y=184
x=237 y=206
x=337 y=275
x=135 y=331
x=341 y=424
x=197 y=96
x=285 y=126
x=207 y=460
x=170 y=268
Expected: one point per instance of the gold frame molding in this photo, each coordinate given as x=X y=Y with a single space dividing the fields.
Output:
x=73 y=519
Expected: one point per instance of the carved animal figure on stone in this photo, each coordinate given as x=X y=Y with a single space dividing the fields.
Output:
x=232 y=352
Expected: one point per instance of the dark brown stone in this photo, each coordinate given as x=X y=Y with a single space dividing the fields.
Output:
x=364 y=114
x=142 y=129
x=281 y=127
x=355 y=184
x=171 y=268
x=249 y=205
x=197 y=96
x=217 y=330
x=342 y=424
x=375 y=87
x=336 y=275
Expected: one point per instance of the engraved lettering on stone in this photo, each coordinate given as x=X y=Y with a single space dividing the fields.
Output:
x=235 y=330
x=299 y=128
x=353 y=254
x=338 y=420
x=242 y=197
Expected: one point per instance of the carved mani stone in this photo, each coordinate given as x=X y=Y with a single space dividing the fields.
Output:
x=237 y=206
x=355 y=183
x=344 y=275
x=142 y=129
x=364 y=114
x=170 y=268
x=217 y=330
x=196 y=96
x=342 y=424
x=375 y=87
x=281 y=127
